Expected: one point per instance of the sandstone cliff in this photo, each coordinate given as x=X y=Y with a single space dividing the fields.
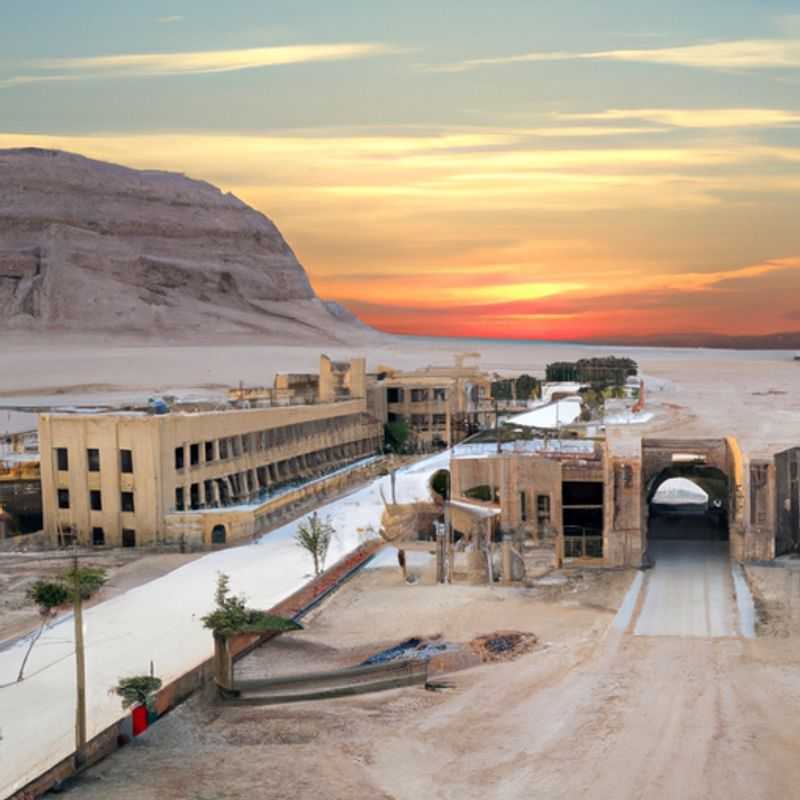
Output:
x=94 y=247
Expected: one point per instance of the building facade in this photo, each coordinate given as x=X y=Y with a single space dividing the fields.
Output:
x=589 y=499
x=119 y=478
x=440 y=405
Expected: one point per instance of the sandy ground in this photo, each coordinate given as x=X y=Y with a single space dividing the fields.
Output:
x=160 y=625
x=754 y=395
x=592 y=712
x=329 y=749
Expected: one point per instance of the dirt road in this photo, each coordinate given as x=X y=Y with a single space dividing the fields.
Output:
x=677 y=706
x=594 y=712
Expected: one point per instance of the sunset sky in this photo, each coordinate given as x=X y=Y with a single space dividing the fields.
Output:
x=522 y=169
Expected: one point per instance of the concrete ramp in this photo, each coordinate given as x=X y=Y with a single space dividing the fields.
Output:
x=689 y=592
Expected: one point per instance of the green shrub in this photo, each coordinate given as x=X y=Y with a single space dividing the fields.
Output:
x=231 y=616
x=139 y=689
x=49 y=595
x=90 y=580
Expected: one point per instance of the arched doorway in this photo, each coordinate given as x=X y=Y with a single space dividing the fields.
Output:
x=686 y=512
x=714 y=466
x=218 y=534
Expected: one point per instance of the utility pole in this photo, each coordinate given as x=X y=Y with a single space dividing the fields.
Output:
x=497 y=427
x=80 y=666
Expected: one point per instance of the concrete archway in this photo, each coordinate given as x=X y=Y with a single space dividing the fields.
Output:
x=715 y=465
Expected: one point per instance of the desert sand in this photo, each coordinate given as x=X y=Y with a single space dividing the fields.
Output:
x=754 y=395
x=591 y=712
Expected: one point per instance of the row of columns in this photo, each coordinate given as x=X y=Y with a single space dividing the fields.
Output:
x=251 y=485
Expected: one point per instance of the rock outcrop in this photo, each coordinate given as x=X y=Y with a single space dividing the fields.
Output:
x=94 y=247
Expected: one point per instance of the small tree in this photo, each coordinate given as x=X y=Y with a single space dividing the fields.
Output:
x=50 y=595
x=137 y=690
x=527 y=387
x=440 y=483
x=503 y=389
x=314 y=535
x=232 y=615
x=396 y=435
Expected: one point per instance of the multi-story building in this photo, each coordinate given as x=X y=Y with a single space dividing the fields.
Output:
x=20 y=486
x=441 y=405
x=131 y=478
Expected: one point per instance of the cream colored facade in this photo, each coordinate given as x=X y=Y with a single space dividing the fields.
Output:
x=589 y=499
x=336 y=380
x=114 y=479
x=441 y=405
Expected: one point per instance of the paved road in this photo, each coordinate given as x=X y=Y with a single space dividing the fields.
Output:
x=689 y=592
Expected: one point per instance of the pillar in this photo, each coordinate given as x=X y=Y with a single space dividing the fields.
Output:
x=506 y=553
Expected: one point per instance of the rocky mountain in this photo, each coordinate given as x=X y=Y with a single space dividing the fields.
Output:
x=95 y=247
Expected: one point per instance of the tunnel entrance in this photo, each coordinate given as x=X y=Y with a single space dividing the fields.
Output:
x=687 y=504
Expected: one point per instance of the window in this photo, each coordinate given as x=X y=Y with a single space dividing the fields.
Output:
x=93 y=459
x=126 y=461
x=98 y=537
x=127 y=501
x=523 y=506
x=440 y=394
x=223 y=448
x=419 y=395
x=194 y=454
x=394 y=395
x=62 y=459
x=95 y=500
x=179 y=499
x=194 y=496
x=543 y=511
x=179 y=457
x=128 y=537
x=63 y=498
x=440 y=421
x=209 y=451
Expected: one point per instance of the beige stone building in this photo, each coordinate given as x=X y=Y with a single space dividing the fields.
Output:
x=336 y=380
x=441 y=405
x=590 y=500
x=136 y=479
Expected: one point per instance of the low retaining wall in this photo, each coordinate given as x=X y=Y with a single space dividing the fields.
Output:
x=174 y=693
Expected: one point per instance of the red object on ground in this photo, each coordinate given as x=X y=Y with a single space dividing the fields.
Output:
x=140 y=723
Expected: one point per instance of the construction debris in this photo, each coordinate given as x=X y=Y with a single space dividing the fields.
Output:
x=503 y=645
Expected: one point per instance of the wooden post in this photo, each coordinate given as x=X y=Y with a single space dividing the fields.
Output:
x=440 y=553
x=223 y=662
x=507 y=576
x=80 y=666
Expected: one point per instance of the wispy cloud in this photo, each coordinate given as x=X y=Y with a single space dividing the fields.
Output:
x=190 y=63
x=170 y=20
x=693 y=117
x=740 y=54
